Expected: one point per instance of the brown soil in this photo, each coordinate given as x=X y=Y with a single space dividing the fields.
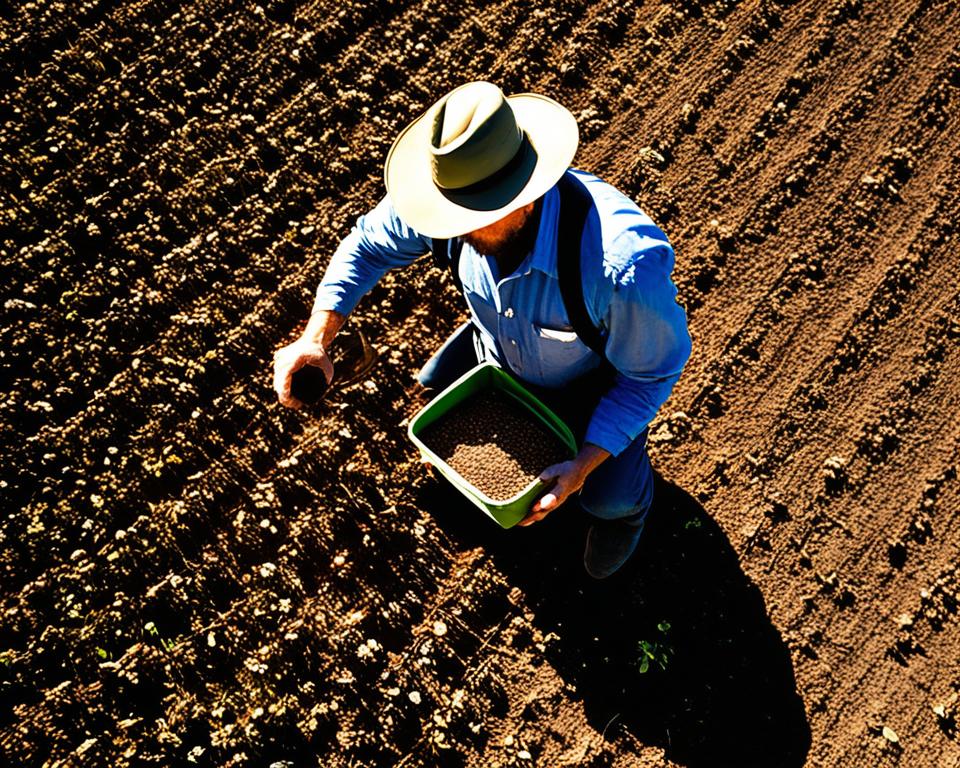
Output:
x=494 y=445
x=192 y=573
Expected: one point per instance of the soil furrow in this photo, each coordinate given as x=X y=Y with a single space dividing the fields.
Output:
x=869 y=207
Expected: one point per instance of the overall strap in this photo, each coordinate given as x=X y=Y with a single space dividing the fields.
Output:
x=446 y=254
x=575 y=203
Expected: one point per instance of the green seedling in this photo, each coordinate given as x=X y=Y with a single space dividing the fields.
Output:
x=103 y=653
x=658 y=652
x=151 y=629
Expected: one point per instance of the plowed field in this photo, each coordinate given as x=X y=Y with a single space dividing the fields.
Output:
x=192 y=574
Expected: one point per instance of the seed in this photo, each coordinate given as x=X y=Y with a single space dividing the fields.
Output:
x=494 y=444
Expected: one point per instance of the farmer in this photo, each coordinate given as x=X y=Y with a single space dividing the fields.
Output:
x=480 y=179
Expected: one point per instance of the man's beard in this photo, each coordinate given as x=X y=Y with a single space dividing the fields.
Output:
x=512 y=248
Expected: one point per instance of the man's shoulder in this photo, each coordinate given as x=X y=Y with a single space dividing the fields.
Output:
x=603 y=192
x=626 y=240
x=610 y=202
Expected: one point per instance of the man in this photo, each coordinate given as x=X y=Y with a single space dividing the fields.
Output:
x=478 y=174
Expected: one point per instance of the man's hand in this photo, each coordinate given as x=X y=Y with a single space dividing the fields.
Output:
x=290 y=359
x=568 y=478
x=309 y=349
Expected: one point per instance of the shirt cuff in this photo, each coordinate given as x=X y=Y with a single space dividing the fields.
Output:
x=333 y=297
x=607 y=436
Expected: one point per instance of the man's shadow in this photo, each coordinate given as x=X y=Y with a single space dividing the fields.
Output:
x=676 y=647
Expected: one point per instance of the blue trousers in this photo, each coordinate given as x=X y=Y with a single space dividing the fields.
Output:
x=621 y=487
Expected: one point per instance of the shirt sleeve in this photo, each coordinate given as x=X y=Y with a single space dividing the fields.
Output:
x=648 y=343
x=378 y=242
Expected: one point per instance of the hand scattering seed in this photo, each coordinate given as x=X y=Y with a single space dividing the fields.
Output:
x=494 y=444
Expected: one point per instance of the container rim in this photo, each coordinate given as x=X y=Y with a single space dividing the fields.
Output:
x=528 y=400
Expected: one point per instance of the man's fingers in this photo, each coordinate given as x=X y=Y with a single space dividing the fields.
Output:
x=326 y=365
x=551 y=473
x=317 y=360
x=541 y=508
x=281 y=384
x=282 y=387
x=282 y=381
x=546 y=502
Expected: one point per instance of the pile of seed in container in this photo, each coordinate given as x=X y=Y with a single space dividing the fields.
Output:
x=494 y=444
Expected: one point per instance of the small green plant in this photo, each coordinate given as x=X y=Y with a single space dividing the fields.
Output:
x=658 y=651
x=151 y=629
x=693 y=522
x=103 y=653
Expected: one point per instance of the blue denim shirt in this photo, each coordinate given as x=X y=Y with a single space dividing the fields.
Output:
x=626 y=263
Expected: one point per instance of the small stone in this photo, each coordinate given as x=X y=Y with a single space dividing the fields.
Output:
x=414 y=696
x=890 y=735
x=439 y=628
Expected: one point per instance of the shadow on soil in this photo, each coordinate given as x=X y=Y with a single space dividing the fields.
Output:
x=718 y=687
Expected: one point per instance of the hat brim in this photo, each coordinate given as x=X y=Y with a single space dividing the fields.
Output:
x=552 y=135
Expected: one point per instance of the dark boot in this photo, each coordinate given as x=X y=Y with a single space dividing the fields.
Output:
x=610 y=544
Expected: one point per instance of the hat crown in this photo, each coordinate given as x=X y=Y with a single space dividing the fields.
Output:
x=475 y=135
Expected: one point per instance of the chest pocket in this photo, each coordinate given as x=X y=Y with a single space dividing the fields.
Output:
x=561 y=354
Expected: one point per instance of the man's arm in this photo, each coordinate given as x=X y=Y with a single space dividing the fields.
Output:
x=323 y=326
x=380 y=241
x=648 y=344
x=377 y=243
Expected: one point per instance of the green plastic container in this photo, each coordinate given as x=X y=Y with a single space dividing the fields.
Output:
x=484 y=377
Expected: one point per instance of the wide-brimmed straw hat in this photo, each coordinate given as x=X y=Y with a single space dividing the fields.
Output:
x=475 y=156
